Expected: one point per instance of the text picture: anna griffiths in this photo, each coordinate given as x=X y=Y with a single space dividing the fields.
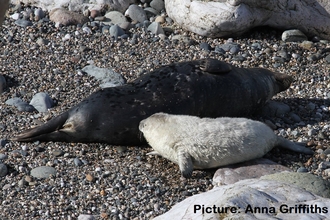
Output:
x=249 y=209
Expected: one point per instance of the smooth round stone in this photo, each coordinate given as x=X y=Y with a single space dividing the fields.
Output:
x=205 y=46
x=108 y=77
x=42 y=102
x=121 y=149
x=136 y=13
x=87 y=30
x=256 y=46
x=105 y=29
x=310 y=106
x=219 y=50
x=115 y=31
x=159 y=5
x=39 y=13
x=23 y=23
x=15 y=16
x=14 y=101
x=114 y=17
x=3 y=170
x=86 y=217
x=151 y=11
x=43 y=172
x=302 y=170
x=25 y=107
x=155 y=28
x=293 y=36
x=42 y=41
x=295 y=133
x=327 y=58
x=327 y=151
x=3 y=156
x=230 y=47
x=295 y=117
x=85 y=162
x=307 y=44
x=311 y=132
x=77 y=162
x=160 y=19
x=58 y=153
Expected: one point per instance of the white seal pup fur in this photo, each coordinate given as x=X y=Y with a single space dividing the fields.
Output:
x=202 y=143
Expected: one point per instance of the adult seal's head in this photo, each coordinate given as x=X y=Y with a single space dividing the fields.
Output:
x=204 y=143
x=204 y=88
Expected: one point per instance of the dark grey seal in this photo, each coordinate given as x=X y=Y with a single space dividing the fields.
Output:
x=204 y=88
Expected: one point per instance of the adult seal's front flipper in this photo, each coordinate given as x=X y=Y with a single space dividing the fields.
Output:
x=215 y=66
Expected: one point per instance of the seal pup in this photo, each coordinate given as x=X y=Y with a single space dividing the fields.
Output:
x=203 y=143
x=204 y=88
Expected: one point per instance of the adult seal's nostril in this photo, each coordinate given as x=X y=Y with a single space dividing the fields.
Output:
x=204 y=88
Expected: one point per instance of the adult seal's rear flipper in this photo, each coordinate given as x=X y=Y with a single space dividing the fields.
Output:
x=214 y=66
x=45 y=132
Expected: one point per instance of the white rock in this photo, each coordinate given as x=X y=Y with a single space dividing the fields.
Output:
x=274 y=196
x=15 y=16
x=233 y=17
x=79 y=5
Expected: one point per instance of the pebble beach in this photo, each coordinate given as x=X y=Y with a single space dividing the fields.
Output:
x=122 y=182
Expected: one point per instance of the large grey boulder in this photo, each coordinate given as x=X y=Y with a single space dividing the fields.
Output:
x=218 y=18
x=244 y=198
x=79 y=5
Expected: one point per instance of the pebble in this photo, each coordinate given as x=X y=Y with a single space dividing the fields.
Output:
x=86 y=217
x=77 y=162
x=90 y=178
x=114 y=17
x=3 y=157
x=58 y=152
x=159 y=5
x=42 y=102
x=155 y=28
x=3 y=170
x=160 y=19
x=327 y=58
x=302 y=170
x=65 y=17
x=107 y=76
x=87 y=30
x=43 y=172
x=39 y=13
x=15 y=16
x=136 y=13
x=116 y=31
x=307 y=45
x=23 y=23
x=205 y=46
x=293 y=36
x=231 y=47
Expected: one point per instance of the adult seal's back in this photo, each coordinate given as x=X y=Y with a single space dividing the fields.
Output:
x=204 y=88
